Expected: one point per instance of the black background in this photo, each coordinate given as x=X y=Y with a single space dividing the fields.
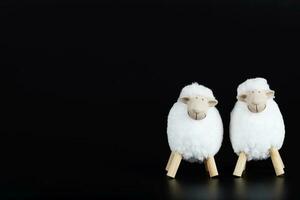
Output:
x=87 y=85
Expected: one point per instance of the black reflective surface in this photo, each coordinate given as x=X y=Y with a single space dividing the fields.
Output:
x=120 y=183
x=234 y=188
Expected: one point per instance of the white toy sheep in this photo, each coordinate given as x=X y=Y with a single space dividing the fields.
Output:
x=256 y=125
x=195 y=129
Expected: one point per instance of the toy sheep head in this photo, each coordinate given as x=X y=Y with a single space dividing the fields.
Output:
x=256 y=96
x=198 y=103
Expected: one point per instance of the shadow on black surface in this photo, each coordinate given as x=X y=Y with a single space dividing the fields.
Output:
x=238 y=188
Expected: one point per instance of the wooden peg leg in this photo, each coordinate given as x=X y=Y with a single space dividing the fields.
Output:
x=174 y=164
x=240 y=165
x=211 y=167
x=169 y=161
x=276 y=160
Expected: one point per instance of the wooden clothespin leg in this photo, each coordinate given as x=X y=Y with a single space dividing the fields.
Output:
x=211 y=167
x=174 y=164
x=169 y=161
x=277 y=161
x=240 y=165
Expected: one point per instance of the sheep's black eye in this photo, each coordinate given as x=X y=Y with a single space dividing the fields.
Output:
x=202 y=99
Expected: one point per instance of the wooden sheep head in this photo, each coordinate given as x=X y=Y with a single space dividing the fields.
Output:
x=256 y=99
x=198 y=106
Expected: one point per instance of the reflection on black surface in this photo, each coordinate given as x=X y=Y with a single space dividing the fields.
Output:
x=271 y=188
x=208 y=189
x=235 y=188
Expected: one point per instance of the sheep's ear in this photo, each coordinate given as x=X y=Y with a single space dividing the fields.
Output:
x=242 y=97
x=212 y=102
x=270 y=94
x=184 y=99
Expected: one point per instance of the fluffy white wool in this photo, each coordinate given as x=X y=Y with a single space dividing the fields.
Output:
x=253 y=84
x=195 y=89
x=256 y=133
x=195 y=140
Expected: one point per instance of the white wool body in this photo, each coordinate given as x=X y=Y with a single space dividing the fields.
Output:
x=255 y=133
x=195 y=140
